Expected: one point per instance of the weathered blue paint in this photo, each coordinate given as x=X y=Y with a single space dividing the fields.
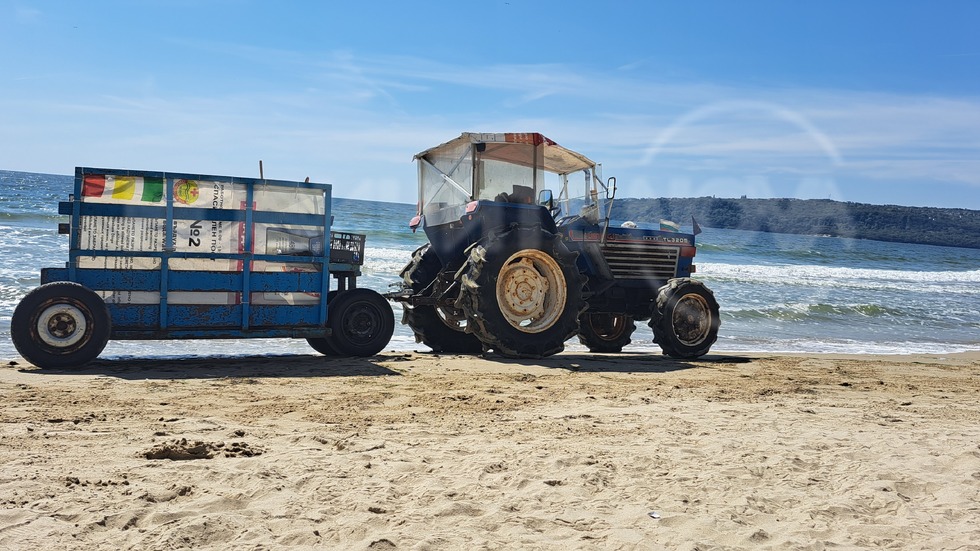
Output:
x=242 y=319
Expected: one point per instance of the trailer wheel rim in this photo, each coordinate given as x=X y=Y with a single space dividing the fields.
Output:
x=531 y=291
x=61 y=326
x=691 y=319
x=362 y=323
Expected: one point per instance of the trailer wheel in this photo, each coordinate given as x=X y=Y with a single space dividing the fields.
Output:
x=522 y=293
x=361 y=321
x=439 y=328
x=685 y=320
x=604 y=332
x=60 y=325
x=324 y=345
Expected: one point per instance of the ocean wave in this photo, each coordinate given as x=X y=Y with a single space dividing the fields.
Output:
x=817 y=312
x=385 y=261
x=32 y=217
x=963 y=282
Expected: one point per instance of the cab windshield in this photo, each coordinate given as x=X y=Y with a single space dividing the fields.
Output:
x=579 y=196
x=495 y=167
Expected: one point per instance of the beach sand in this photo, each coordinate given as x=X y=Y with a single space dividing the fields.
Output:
x=422 y=451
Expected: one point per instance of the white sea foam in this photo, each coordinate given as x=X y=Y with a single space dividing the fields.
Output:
x=966 y=282
x=382 y=262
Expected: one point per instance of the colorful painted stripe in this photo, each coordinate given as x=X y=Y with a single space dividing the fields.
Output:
x=123 y=188
x=94 y=186
x=152 y=190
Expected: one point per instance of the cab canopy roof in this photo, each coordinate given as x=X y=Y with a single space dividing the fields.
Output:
x=511 y=147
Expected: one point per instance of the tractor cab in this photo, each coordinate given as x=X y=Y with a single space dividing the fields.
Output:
x=522 y=168
x=478 y=181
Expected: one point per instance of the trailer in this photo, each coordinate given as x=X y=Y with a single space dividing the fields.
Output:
x=162 y=255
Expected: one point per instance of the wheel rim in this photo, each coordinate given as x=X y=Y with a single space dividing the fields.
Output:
x=452 y=318
x=531 y=291
x=61 y=326
x=691 y=319
x=607 y=326
x=362 y=323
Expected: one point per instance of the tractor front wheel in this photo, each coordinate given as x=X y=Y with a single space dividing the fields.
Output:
x=685 y=319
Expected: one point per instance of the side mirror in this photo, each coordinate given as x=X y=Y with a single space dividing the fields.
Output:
x=546 y=199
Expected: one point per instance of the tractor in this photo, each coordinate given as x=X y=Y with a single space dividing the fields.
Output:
x=514 y=267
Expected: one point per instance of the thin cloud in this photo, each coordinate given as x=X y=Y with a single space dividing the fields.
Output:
x=27 y=15
x=358 y=119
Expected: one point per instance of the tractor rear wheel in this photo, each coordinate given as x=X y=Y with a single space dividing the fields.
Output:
x=522 y=293
x=442 y=329
x=685 y=319
x=60 y=325
x=605 y=332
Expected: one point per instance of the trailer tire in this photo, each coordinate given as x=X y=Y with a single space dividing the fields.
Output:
x=361 y=322
x=60 y=325
x=324 y=345
x=522 y=293
x=434 y=326
x=685 y=320
x=605 y=332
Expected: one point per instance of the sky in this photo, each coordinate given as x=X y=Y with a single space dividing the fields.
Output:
x=865 y=101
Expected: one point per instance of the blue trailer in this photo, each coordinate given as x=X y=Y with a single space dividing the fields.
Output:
x=162 y=255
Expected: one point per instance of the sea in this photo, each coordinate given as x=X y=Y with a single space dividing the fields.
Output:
x=778 y=292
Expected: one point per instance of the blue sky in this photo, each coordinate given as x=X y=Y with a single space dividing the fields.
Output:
x=865 y=101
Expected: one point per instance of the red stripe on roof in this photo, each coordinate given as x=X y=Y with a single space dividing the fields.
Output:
x=530 y=138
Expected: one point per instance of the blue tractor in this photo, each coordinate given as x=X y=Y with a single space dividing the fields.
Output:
x=514 y=267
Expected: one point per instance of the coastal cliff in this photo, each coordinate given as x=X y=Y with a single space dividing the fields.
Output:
x=924 y=225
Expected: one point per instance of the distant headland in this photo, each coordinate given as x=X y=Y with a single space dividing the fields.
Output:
x=924 y=225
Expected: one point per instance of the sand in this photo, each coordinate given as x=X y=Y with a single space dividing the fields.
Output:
x=421 y=451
